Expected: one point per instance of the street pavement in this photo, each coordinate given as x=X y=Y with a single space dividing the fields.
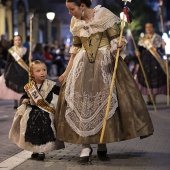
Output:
x=152 y=153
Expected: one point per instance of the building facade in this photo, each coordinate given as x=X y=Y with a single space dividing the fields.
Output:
x=15 y=19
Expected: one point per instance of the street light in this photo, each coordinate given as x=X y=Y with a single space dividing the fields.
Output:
x=50 y=17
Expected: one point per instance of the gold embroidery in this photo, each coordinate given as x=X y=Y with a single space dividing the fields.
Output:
x=37 y=98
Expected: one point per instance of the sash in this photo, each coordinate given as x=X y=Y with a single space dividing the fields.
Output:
x=37 y=98
x=154 y=53
x=18 y=59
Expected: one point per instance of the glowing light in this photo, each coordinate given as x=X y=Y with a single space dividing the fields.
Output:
x=16 y=33
x=142 y=34
x=164 y=57
x=50 y=15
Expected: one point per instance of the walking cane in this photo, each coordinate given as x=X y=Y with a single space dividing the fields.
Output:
x=143 y=71
x=167 y=70
x=30 y=50
x=113 y=77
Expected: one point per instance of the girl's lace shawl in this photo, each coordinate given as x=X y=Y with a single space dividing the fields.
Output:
x=103 y=19
x=46 y=88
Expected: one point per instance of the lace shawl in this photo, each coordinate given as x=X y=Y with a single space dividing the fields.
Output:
x=103 y=19
x=156 y=41
x=22 y=52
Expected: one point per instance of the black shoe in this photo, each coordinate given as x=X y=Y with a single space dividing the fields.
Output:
x=102 y=155
x=41 y=156
x=86 y=159
x=34 y=155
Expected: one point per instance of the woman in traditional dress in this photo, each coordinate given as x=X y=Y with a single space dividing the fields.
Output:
x=16 y=72
x=86 y=84
x=155 y=71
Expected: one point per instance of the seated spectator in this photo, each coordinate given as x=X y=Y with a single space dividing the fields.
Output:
x=48 y=58
x=27 y=43
x=38 y=53
x=60 y=61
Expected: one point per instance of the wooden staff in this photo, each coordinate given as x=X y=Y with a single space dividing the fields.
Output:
x=30 y=49
x=113 y=80
x=161 y=16
x=167 y=79
x=167 y=69
x=143 y=71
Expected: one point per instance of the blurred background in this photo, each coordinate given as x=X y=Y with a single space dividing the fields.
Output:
x=51 y=21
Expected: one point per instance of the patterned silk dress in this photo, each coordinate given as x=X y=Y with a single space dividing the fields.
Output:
x=84 y=94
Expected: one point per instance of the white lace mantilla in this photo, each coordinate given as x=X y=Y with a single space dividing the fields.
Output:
x=85 y=108
x=103 y=19
x=156 y=41
x=21 y=51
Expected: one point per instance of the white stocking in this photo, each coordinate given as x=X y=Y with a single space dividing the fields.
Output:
x=86 y=150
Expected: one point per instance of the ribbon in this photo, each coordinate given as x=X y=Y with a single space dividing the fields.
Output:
x=128 y=14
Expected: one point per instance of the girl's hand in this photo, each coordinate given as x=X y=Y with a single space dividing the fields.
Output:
x=25 y=101
x=61 y=78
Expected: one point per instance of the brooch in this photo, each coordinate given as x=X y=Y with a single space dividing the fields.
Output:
x=86 y=27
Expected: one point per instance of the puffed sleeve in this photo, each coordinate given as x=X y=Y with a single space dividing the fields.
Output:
x=76 y=45
x=24 y=96
x=114 y=33
x=56 y=90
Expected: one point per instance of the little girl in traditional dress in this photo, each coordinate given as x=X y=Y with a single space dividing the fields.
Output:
x=33 y=125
